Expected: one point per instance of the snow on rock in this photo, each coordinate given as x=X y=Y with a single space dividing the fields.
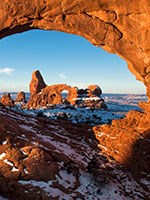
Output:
x=14 y=169
x=8 y=162
x=48 y=159
x=65 y=179
x=4 y=142
x=2 y=155
x=27 y=127
x=25 y=171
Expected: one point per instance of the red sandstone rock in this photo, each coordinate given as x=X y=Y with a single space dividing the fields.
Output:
x=40 y=158
x=145 y=106
x=21 y=97
x=7 y=101
x=126 y=140
x=94 y=90
x=52 y=95
x=37 y=83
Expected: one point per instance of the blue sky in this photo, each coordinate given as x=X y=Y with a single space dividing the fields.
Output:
x=62 y=58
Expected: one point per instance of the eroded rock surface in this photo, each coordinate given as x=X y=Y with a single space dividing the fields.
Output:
x=43 y=159
x=44 y=96
x=21 y=97
x=6 y=100
x=37 y=83
x=128 y=141
x=94 y=91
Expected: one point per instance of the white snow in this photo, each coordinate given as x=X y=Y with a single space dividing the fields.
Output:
x=87 y=98
x=46 y=186
x=14 y=169
x=23 y=152
x=118 y=104
x=65 y=148
x=65 y=179
x=2 y=155
x=8 y=162
x=25 y=171
x=27 y=128
x=89 y=186
x=4 y=142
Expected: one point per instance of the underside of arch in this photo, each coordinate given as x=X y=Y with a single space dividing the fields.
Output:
x=118 y=27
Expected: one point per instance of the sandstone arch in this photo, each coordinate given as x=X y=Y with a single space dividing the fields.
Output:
x=120 y=27
x=116 y=26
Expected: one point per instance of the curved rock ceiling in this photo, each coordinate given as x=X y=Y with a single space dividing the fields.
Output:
x=120 y=27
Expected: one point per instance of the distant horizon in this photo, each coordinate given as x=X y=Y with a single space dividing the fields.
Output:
x=62 y=58
x=16 y=92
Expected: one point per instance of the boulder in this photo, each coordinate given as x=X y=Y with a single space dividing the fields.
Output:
x=94 y=90
x=6 y=100
x=21 y=97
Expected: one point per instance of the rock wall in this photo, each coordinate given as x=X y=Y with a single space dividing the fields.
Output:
x=116 y=26
x=127 y=141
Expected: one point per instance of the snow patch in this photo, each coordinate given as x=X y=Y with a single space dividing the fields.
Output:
x=2 y=155
x=25 y=171
x=14 y=169
x=4 y=142
x=8 y=162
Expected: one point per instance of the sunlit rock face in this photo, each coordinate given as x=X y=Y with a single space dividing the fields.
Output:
x=116 y=26
x=43 y=159
x=127 y=141
x=37 y=83
x=44 y=96
x=21 y=97
x=6 y=100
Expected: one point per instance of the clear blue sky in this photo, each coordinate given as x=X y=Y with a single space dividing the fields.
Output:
x=62 y=58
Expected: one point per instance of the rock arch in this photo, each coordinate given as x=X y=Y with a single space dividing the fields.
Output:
x=120 y=27
x=116 y=26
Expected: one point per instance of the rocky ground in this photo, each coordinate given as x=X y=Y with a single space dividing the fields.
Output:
x=44 y=159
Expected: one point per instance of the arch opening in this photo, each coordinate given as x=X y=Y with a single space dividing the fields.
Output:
x=73 y=67
x=64 y=94
x=104 y=24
